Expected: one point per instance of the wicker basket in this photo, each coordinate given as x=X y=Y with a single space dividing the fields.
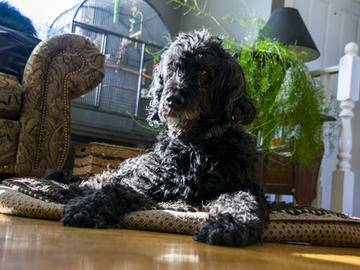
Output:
x=96 y=157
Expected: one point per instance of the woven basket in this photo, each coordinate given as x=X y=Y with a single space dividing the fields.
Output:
x=96 y=157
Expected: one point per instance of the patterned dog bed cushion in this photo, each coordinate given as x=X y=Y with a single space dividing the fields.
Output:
x=288 y=224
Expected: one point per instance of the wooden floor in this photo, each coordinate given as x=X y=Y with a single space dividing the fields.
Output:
x=38 y=244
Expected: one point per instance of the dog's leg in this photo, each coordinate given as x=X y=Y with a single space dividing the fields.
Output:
x=103 y=208
x=235 y=219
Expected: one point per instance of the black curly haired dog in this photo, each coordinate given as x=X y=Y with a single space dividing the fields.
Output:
x=203 y=158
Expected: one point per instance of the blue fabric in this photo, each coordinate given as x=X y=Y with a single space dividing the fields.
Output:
x=15 y=49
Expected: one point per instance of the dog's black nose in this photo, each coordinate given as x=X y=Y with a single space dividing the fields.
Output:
x=175 y=100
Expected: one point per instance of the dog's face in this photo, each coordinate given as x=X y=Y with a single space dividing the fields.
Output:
x=187 y=87
x=198 y=85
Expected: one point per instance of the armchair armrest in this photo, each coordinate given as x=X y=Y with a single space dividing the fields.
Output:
x=60 y=68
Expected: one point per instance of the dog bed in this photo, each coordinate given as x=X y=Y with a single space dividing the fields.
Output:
x=288 y=223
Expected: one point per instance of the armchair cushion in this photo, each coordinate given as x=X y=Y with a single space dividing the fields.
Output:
x=9 y=132
x=10 y=96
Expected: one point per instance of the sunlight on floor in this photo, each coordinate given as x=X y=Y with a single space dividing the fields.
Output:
x=177 y=258
x=348 y=259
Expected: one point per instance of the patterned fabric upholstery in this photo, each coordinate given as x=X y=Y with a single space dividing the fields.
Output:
x=10 y=96
x=9 y=131
x=59 y=69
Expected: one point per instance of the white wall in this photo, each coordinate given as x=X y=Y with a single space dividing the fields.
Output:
x=237 y=8
x=170 y=15
x=333 y=24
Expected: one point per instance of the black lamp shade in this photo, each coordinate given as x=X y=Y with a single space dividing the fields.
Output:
x=286 y=26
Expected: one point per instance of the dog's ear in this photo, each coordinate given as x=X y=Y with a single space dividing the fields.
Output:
x=244 y=110
x=155 y=91
x=240 y=107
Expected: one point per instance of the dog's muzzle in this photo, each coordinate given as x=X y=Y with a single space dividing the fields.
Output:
x=175 y=100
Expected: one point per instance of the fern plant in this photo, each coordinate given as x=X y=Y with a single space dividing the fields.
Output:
x=289 y=100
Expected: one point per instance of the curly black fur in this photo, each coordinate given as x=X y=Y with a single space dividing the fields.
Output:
x=12 y=18
x=204 y=157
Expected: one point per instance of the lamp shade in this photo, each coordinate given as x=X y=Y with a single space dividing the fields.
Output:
x=286 y=26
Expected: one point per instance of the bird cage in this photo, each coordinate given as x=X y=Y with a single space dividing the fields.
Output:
x=131 y=34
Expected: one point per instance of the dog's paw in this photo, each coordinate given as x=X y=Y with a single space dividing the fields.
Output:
x=223 y=231
x=77 y=217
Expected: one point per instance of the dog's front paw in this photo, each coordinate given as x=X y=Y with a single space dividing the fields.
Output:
x=77 y=217
x=222 y=230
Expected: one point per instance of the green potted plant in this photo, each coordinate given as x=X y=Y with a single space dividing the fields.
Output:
x=289 y=100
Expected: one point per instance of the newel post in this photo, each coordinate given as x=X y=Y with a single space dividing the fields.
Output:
x=342 y=188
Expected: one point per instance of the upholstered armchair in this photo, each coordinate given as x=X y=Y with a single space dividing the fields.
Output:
x=35 y=116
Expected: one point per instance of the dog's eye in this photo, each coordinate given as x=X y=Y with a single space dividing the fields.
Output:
x=203 y=72
x=203 y=77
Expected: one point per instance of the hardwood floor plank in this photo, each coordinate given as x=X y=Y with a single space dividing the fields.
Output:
x=39 y=244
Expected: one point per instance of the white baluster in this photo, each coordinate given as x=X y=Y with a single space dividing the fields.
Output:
x=345 y=141
x=325 y=83
x=342 y=188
